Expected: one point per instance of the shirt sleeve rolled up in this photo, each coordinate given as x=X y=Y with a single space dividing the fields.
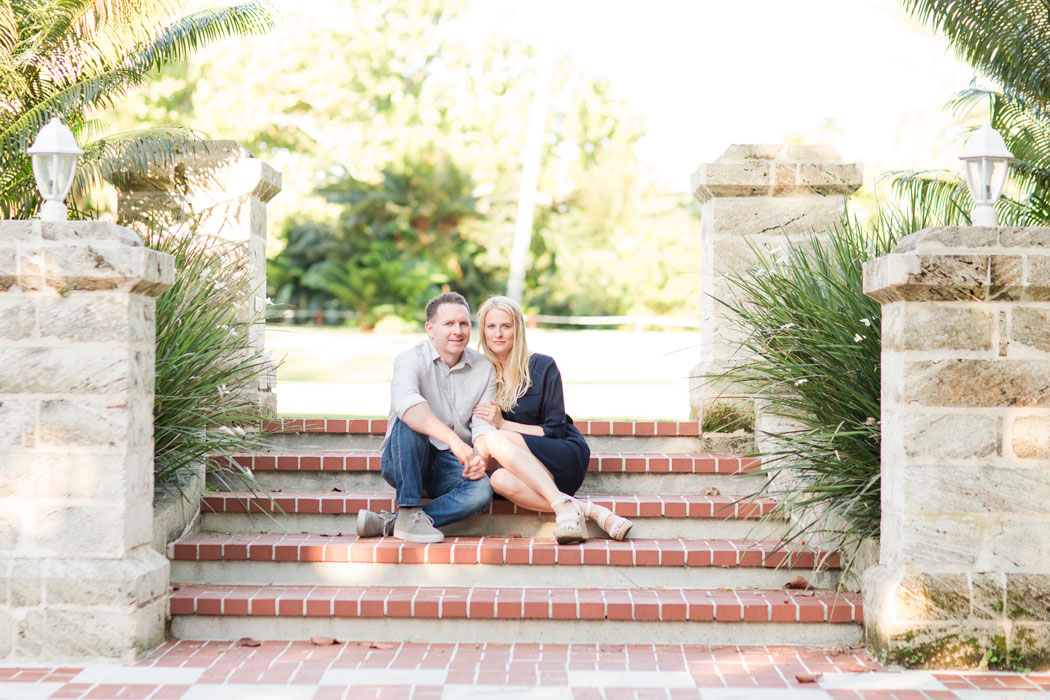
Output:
x=406 y=383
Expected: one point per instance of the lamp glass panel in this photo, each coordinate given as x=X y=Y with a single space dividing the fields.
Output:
x=998 y=177
x=44 y=166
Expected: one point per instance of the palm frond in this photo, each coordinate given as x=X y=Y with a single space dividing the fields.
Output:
x=199 y=29
x=938 y=195
x=92 y=91
x=1006 y=40
x=132 y=152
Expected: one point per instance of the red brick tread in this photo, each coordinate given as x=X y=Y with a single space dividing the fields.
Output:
x=641 y=604
x=605 y=462
x=494 y=550
x=341 y=503
x=377 y=426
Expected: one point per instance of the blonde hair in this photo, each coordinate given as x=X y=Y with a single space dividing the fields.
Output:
x=518 y=380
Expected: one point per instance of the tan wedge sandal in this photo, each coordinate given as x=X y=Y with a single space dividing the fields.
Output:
x=569 y=528
x=615 y=526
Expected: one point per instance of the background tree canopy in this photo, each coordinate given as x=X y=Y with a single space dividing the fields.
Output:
x=399 y=135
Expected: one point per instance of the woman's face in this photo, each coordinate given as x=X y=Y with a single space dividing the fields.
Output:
x=499 y=332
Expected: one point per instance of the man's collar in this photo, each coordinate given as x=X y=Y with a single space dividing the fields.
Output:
x=464 y=357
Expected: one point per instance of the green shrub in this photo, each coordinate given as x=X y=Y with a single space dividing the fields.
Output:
x=814 y=343
x=203 y=356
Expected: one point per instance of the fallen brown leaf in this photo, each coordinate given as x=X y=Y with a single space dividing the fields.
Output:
x=711 y=491
x=610 y=648
x=323 y=641
x=808 y=677
x=798 y=583
x=334 y=489
x=248 y=642
x=380 y=645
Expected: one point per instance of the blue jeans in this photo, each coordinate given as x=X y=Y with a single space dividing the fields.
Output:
x=415 y=468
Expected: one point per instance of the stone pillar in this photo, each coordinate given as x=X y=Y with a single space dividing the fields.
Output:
x=223 y=189
x=964 y=565
x=755 y=195
x=78 y=577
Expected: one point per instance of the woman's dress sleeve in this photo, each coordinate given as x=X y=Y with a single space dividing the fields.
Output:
x=552 y=404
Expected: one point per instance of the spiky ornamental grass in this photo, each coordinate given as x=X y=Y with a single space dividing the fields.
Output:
x=813 y=339
x=204 y=356
x=74 y=58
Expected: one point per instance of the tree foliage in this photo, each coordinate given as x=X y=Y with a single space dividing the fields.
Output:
x=76 y=58
x=355 y=89
x=1008 y=42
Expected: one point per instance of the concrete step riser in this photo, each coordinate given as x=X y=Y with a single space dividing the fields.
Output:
x=594 y=483
x=335 y=442
x=479 y=631
x=500 y=526
x=259 y=573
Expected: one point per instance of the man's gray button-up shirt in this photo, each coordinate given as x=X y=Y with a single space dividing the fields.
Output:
x=420 y=375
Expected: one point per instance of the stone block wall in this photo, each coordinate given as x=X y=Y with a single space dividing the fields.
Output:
x=78 y=577
x=755 y=196
x=965 y=551
x=223 y=189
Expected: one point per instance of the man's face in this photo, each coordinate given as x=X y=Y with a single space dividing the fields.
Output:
x=450 y=330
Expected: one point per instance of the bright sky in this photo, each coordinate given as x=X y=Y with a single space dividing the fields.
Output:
x=860 y=74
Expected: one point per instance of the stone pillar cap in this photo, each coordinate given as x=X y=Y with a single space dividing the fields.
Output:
x=776 y=170
x=964 y=263
x=223 y=169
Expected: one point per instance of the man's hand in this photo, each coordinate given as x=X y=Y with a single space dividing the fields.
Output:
x=490 y=412
x=475 y=468
x=464 y=452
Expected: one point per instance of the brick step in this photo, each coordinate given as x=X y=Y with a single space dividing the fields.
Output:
x=224 y=559
x=603 y=436
x=552 y=615
x=656 y=516
x=609 y=472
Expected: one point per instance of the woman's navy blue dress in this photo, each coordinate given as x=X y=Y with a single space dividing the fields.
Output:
x=561 y=448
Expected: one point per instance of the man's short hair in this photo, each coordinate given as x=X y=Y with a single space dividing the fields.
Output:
x=445 y=298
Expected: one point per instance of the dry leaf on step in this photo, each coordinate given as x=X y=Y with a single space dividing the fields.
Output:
x=333 y=489
x=798 y=583
x=710 y=491
x=380 y=645
x=610 y=648
x=808 y=677
x=248 y=642
x=323 y=641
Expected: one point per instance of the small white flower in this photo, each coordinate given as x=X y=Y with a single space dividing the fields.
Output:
x=800 y=382
x=269 y=301
x=838 y=456
x=223 y=390
x=866 y=322
x=240 y=431
x=786 y=326
x=857 y=337
x=869 y=421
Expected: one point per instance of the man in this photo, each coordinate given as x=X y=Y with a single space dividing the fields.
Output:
x=427 y=449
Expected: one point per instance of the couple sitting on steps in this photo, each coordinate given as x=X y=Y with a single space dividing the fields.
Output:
x=507 y=403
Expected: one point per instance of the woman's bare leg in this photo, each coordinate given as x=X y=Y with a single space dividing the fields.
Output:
x=509 y=449
x=506 y=484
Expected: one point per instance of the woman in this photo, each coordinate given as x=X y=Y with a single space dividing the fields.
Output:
x=543 y=457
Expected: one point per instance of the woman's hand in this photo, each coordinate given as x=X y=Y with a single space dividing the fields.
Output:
x=489 y=412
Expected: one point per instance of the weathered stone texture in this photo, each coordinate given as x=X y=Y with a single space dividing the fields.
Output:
x=76 y=441
x=965 y=555
x=761 y=196
x=969 y=383
x=223 y=189
x=950 y=436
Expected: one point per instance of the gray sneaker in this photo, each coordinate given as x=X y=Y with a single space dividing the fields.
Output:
x=413 y=525
x=371 y=524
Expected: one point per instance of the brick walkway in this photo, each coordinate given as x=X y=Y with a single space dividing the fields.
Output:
x=360 y=671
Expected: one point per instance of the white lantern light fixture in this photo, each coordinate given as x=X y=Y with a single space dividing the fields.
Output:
x=986 y=162
x=55 y=154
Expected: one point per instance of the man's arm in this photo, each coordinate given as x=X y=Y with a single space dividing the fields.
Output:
x=421 y=418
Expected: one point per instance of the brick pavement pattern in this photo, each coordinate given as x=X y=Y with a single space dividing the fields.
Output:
x=302 y=670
